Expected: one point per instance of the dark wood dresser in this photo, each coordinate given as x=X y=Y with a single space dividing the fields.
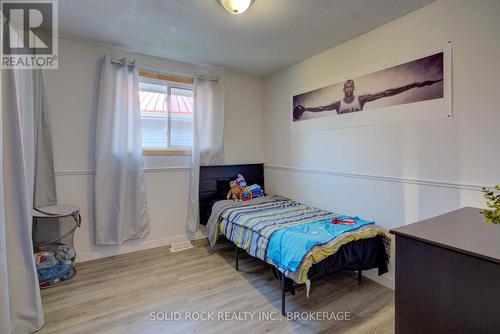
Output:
x=448 y=275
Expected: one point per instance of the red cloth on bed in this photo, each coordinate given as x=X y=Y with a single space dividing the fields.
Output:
x=347 y=221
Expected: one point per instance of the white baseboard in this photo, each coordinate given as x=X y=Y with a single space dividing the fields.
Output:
x=133 y=246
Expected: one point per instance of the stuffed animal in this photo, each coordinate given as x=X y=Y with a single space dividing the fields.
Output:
x=240 y=180
x=236 y=192
x=247 y=194
x=252 y=191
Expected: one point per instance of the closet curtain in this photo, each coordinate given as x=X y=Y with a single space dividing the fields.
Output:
x=208 y=138
x=20 y=302
x=120 y=197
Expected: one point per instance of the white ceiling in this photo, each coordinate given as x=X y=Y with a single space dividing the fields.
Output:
x=270 y=36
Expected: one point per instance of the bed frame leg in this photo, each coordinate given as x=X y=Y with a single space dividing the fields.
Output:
x=283 y=290
x=237 y=257
x=275 y=273
x=359 y=276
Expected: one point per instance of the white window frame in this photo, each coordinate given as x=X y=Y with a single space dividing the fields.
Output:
x=170 y=149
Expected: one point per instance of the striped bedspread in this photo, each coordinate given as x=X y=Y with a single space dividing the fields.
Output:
x=251 y=225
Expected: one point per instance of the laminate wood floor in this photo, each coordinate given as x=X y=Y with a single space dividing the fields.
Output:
x=118 y=294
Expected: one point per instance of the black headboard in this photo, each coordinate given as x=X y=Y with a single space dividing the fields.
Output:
x=253 y=173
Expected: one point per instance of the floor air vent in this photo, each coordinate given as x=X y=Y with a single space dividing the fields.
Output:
x=180 y=246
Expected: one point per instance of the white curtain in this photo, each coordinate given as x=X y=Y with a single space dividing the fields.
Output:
x=20 y=302
x=120 y=197
x=208 y=138
x=45 y=181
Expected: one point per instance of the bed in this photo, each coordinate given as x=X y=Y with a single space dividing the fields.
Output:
x=298 y=241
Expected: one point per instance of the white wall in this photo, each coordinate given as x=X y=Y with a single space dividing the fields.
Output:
x=71 y=95
x=396 y=173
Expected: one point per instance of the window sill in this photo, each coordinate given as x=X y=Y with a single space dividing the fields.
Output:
x=166 y=152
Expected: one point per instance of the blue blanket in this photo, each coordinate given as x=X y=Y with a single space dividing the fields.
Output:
x=289 y=245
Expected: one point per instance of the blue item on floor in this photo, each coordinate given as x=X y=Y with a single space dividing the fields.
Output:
x=54 y=264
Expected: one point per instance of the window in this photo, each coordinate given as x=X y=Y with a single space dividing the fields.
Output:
x=166 y=105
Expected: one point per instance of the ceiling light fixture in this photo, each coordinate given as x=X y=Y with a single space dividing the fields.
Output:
x=236 y=6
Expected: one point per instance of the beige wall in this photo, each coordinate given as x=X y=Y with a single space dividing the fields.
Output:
x=71 y=94
x=404 y=172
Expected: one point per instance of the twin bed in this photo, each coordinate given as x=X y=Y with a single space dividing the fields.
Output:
x=298 y=241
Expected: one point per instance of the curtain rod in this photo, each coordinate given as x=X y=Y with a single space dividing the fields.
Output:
x=204 y=77
x=121 y=62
